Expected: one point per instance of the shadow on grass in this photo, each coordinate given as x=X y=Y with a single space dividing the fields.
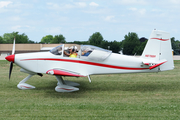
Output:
x=107 y=86
x=136 y=86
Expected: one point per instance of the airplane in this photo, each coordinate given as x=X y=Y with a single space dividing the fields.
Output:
x=156 y=57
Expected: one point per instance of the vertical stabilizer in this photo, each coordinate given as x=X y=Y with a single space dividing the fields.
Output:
x=158 y=48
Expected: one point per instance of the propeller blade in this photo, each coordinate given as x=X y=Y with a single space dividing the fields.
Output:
x=10 y=69
x=13 y=50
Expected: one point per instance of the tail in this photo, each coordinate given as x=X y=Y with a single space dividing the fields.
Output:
x=158 y=48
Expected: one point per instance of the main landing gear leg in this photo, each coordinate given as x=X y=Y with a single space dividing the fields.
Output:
x=65 y=86
x=24 y=86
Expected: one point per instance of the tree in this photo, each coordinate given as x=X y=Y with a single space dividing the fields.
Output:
x=1 y=40
x=130 y=43
x=20 y=38
x=141 y=47
x=8 y=37
x=79 y=42
x=47 y=39
x=58 y=39
x=115 y=46
x=105 y=44
x=30 y=41
x=175 y=46
x=96 y=39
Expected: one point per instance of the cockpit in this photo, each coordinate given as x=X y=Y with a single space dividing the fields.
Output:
x=57 y=50
x=87 y=52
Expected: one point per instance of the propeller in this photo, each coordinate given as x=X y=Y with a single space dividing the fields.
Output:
x=10 y=69
x=13 y=50
x=10 y=58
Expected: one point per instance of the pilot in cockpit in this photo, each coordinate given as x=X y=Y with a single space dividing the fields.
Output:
x=72 y=52
x=86 y=52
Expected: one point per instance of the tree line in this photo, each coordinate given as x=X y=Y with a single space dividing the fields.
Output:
x=8 y=38
x=130 y=45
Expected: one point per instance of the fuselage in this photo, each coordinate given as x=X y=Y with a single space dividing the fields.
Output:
x=41 y=62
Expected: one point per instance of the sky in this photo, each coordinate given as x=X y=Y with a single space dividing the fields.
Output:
x=77 y=20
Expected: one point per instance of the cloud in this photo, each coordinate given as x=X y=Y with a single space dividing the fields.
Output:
x=93 y=4
x=15 y=18
x=53 y=5
x=139 y=11
x=16 y=28
x=156 y=10
x=20 y=27
x=175 y=1
x=4 y=3
x=66 y=6
x=53 y=30
x=133 y=9
x=142 y=11
x=110 y=18
x=139 y=2
x=80 y=4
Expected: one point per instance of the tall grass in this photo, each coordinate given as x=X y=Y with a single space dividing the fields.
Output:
x=117 y=96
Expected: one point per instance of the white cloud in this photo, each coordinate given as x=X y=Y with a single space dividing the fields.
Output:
x=63 y=6
x=93 y=4
x=15 y=18
x=53 y=5
x=4 y=3
x=20 y=27
x=133 y=9
x=66 y=6
x=139 y=2
x=175 y=1
x=16 y=28
x=139 y=11
x=110 y=18
x=53 y=30
x=80 y=4
x=156 y=10
x=142 y=11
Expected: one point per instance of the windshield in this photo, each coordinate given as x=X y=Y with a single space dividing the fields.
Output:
x=57 y=50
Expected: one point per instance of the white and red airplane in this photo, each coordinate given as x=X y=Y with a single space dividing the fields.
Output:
x=156 y=57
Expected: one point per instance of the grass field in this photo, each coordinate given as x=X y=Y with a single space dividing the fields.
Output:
x=119 y=96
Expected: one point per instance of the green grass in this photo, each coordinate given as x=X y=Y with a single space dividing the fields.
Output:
x=117 y=96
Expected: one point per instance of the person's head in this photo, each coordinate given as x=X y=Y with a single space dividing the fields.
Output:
x=73 y=49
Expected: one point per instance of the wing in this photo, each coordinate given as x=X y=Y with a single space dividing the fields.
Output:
x=154 y=64
x=63 y=73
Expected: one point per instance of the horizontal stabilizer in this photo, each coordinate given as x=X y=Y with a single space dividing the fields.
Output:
x=154 y=64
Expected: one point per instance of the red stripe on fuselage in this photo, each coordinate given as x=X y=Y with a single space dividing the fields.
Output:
x=160 y=39
x=87 y=63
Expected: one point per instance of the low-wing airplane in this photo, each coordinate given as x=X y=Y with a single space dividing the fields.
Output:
x=156 y=57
